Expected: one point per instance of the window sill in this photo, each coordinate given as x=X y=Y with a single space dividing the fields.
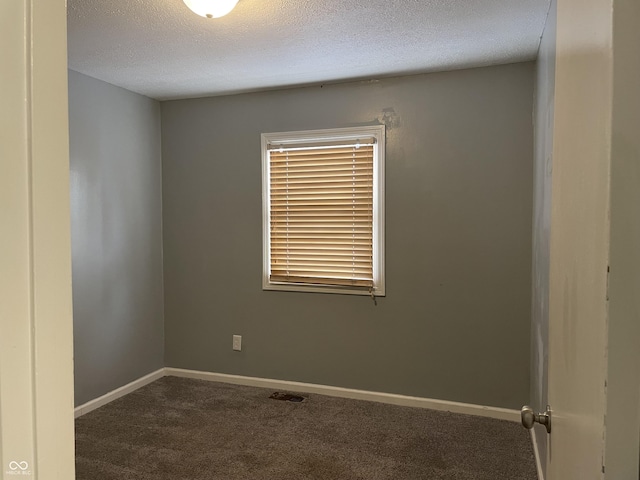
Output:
x=320 y=289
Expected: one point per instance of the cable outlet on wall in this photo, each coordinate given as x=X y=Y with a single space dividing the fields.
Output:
x=237 y=342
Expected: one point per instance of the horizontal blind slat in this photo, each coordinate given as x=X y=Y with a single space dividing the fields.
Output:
x=323 y=183
x=320 y=244
x=322 y=281
x=296 y=259
x=321 y=271
x=283 y=173
x=362 y=252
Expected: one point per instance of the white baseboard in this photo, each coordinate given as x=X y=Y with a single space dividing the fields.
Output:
x=536 y=454
x=118 y=392
x=390 y=398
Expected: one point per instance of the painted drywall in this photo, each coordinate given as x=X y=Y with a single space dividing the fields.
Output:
x=543 y=152
x=455 y=323
x=623 y=382
x=116 y=219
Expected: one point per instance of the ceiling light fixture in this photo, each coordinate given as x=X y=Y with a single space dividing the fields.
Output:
x=211 y=8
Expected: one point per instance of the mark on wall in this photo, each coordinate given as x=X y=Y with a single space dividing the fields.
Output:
x=389 y=118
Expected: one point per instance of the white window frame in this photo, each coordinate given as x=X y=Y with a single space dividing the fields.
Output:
x=324 y=136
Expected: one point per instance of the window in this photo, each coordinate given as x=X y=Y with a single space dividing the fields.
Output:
x=323 y=210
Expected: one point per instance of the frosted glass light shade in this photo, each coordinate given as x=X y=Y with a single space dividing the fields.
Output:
x=211 y=8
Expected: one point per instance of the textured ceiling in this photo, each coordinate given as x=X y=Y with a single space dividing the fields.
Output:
x=161 y=49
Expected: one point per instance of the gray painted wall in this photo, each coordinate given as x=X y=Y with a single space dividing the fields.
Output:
x=455 y=323
x=116 y=220
x=543 y=156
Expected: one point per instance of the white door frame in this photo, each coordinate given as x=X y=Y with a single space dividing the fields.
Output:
x=36 y=327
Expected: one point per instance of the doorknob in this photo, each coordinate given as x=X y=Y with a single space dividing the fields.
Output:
x=529 y=417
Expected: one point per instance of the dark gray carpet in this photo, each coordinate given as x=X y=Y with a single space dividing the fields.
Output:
x=182 y=429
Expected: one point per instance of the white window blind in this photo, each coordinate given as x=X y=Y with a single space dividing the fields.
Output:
x=323 y=210
x=321 y=214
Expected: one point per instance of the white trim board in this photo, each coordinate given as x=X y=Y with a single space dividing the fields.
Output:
x=390 y=398
x=536 y=454
x=118 y=392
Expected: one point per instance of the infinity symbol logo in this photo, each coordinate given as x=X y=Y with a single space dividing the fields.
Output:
x=18 y=465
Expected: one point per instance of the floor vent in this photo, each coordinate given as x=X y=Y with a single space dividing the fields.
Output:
x=288 y=397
